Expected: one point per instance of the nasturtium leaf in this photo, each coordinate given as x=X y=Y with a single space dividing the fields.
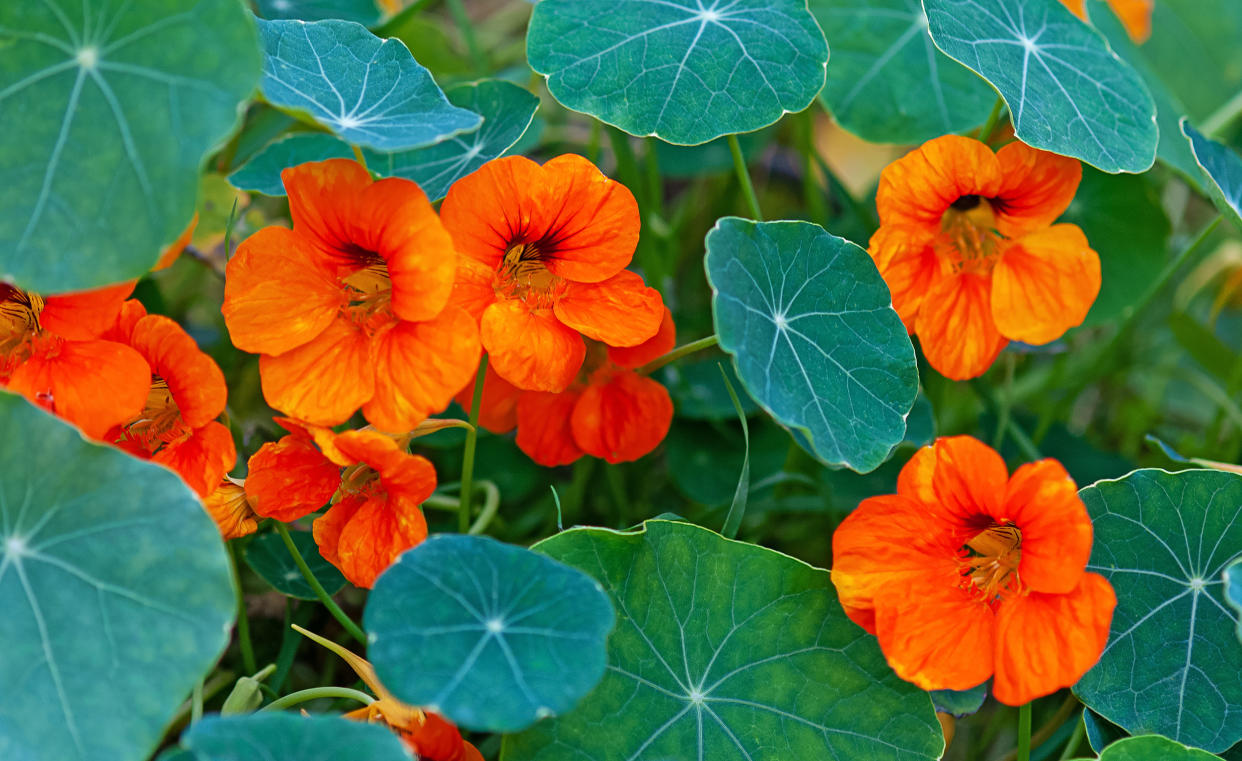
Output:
x=960 y=702
x=115 y=590
x=726 y=651
x=108 y=109
x=270 y=558
x=280 y=736
x=359 y=11
x=684 y=71
x=1100 y=731
x=1232 y=576
x=1067 y=91
x=1153 y=748
x=370 y=92
x=261 y=174
x=1172 y=665
x=888 y=82
x=1223 y=170
x=489 y=635
x=814 y=337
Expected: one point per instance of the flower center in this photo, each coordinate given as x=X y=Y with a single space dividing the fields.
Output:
x=19 y=316
x=523 y=275
x=369 y=287
x=989 y=561
x=160 y=420
x=968 y=240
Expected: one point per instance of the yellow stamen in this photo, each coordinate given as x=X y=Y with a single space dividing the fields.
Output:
x=523 y=275
x=991 y=558
x=968 y=240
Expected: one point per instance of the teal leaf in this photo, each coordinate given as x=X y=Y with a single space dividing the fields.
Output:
x=961 y=702
x=370 y=92
x=1153 y=748
x=365 y=12
x=1100 y=732
x=278 y=736
x=888 y=82
x=1232 y=576
x=491 y=636
x=1067 y=91
x=110 y=110
x=726 y=651
x=115 y=591
x=1172 y=665
x=268 y=556
x=814 y=337
x=261 y=174
x=680 y=70
x=1223 y=170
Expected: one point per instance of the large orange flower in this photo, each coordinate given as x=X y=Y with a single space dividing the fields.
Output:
x=967 y=573
x=1135 y=15
x=545 y=251
x=967 y=246
x=350 y=308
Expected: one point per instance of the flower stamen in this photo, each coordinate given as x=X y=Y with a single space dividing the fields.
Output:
x=990 y=559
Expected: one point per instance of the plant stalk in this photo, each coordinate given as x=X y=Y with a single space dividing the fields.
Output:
x=320 y=592
x=467 y=462
x=743 y=176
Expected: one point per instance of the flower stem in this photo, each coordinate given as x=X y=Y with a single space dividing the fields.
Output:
x=989 y=126
x=361 y=159
x=320 y=592
x=1079 y=730
x=491 y=503
x=196 y=702
x=314 y=693
x=467 y=462
x=244 y=644
x=460 y=17
x=743 y=176
x=1024 y=732
x=678 y=353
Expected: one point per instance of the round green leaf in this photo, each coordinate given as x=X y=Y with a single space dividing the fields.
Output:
x=261 y=174
x=360 y=11
x=270 y=558
x=1067 y=91
x=277 y=736
x=491 y=636
x=1153 y=748
x=1172 y=665
x=108 y=109
x=724 y=651
x=115 y=591
x=889 y=83
x=1233 y=588
x=680 y=70
x=814 y=337
x=368 y=91
x=1223 y=170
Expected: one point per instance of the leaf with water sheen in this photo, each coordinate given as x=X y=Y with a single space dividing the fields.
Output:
x=279 y=736
x=489 y=635
x=1067 y=91
x=268 y=556
x=814 y=337
x=108 y=108
x=1223 y=170
x=1172 y=665
x=115 y=591
x=681 y=70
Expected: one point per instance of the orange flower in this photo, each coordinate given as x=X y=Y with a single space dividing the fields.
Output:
x=497 y=406
x=967 y=246
x=1135 y=15
x=291 y=478
x=545 y=251
x=350 y=308
x=967 y=573
x=232 y=509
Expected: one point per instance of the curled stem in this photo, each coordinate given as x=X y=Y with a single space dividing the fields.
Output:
x=314 y=693
x=678 y=353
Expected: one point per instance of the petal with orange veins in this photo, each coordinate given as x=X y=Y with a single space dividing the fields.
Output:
x=322 y=436
x=588 y=222
x=956 y=329
x=437 y=740
x=533 y=350
x=324 y=198
x=278 y=295
x=325 y=381
x=1036 y=188
x=174 y=249
x=917 y=188
x=327 y=528
x=969 y=481
x=418 y=367
x=290 y=478
x=544 y=430
x=664 y=341
x=122 y=329
x=498 y=405
x=917 y=477
x=1044 y=284
x=193 y=378
x=620 y=311
x=1048 y=641
x=84 y=315
x=376 y=535
x=621 y=416
x=906 y=260
x=93 y=384
x=473 y=289
x=492 y=208
x=1042 y=500
x=411 y=477
x=202 y=458
x=230 y=509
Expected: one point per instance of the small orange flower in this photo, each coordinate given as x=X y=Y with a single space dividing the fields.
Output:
x=545 y=250
x=291 y=478
x=350 y=308
x=967 y=573
x=1135 y=15
x=967 y=246
x=232 y=509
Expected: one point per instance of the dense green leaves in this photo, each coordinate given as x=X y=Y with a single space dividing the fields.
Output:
x=489 y=635
x=270 y=558
x=115 y=592
x=1172 y=664
x=368 y=91
x=680 y=70
x=108 y=109
x=279 y=736
x=1066 y=90
x=1223 y=170
x=814 y=337
x=888 y=82
x=724 y=651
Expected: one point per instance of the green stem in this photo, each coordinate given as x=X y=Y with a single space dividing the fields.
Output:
x=314 y=693
x=244 y=645
x=196 y=702
x=655 y=182
x=1025 y=445
x=460 y=17
x=678 y=353
x=812 y=194
x=1223 y=116
x=743 y=176
x=1075 y=739
x=467 y=462
x=320 y=592
x=1002 y=416
x=491 y=504
x=989 y=126
x=359 y=157
x=1024 y=733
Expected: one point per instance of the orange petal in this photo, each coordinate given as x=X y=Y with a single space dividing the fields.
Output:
x=544 y=430
x=492 y=208
x=1042 y=500
x=620 y=311
x=202 y=458
x=437 y=740
x=324 y=196
x=193 y=378
x=1135 y=16
x=532 y=350
x=377 y=533
x=1048 y=641
x=906 y=260
x=917 y=477
x=473 y=290
x=1076 y=7
x=1036 y=188
x=917 y=188
x=409 y=476
x=418 y=366
x=1044 y=284
x=664 y=341
x=84 y=315
x=170 y=254
x=122 y=329
x=498 y=406
x=327 y=528
x=321 y=436
x=621 y=416
x=955 y=326
x=290 y=478
x=277 y=293
x=969 y=481
x=230 y=509
x=395 y=220
x=324 y=381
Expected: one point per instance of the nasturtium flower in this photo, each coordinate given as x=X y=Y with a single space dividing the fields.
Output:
x=545 y=250
x=969 y=250
x=1135 y=15
x=232 y=509
x=968 y=573
x=350 y=308
x=296 y=475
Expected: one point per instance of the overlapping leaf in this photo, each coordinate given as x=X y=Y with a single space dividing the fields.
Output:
x=107 y=110
x=270 y=558
x=360 y=11
x=1223 y=170
x=277 y=736
x=261 y=174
